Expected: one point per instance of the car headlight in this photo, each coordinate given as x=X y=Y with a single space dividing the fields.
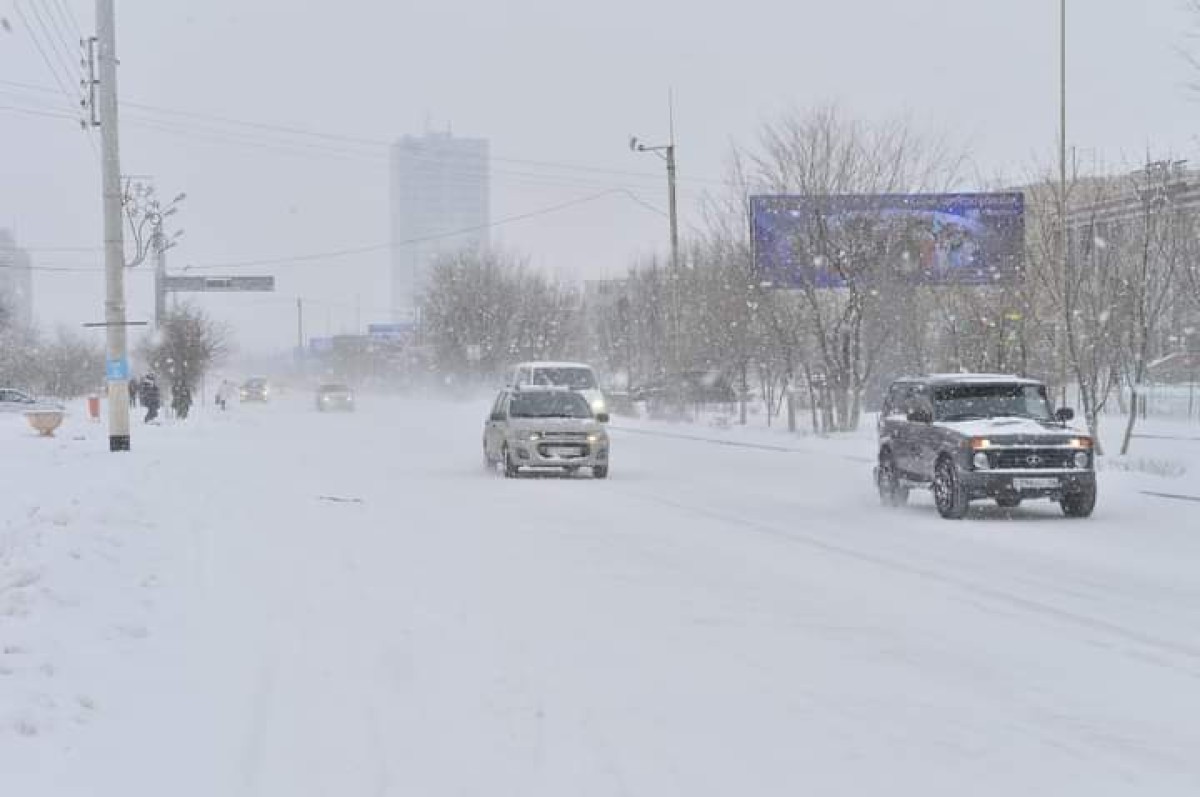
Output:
x=981 y=461
x=532 y=437
x=598 y=405
x=596 y=438
x=1082 y=460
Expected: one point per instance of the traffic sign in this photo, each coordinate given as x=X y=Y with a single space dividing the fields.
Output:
x=189 y=284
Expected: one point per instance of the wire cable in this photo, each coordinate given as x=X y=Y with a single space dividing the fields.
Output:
x=358 y=250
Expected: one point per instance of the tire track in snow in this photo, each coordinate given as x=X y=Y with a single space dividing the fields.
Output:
x=1147 y=641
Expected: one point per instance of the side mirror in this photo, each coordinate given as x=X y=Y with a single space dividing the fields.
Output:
x=920 y=416
x=602 y=417
x=496 y=416
x=1065 y=414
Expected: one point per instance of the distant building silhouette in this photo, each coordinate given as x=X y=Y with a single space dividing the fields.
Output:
x=439 y=205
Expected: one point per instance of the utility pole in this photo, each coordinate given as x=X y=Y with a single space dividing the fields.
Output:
x=300 y=325
x=117 y=365
x=160 y=273
x=667 y=152
x=1064 y=247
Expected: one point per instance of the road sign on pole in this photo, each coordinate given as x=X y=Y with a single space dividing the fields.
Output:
x=188 y=284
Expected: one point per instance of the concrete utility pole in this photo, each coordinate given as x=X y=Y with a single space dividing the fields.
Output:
x=1064 y=246
x=160 y=273
x=117 y=365
x=667 y=153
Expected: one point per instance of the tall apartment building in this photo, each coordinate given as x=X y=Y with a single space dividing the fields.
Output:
x=439 y=205
x=16 y=281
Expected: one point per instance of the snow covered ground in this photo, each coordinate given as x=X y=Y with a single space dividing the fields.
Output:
x=275 y=602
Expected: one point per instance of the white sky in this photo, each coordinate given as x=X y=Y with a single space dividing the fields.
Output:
x=545 y=81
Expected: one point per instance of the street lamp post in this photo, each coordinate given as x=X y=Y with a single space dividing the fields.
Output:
x=667 y=153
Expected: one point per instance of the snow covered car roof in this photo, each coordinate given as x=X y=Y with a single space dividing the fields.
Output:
x=975 y=379
x=551 y=364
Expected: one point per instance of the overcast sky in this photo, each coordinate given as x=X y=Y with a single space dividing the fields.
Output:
x=547 y=82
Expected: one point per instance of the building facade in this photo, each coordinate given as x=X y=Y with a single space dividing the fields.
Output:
x=16 y=283
x=439 y=205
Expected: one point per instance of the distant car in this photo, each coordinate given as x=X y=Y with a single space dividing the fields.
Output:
x=18 y=401
x=257 y=389
x=331 y=398
x=573 y=376
x=977 y=436
x=545 y=428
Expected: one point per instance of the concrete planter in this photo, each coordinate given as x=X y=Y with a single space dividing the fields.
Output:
x=45 y=422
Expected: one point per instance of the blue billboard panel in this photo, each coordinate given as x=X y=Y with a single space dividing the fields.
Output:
x=391 y=332
x=932 y=239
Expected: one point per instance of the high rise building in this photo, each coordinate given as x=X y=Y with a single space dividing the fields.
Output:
x=439 y=205
x=16 y=283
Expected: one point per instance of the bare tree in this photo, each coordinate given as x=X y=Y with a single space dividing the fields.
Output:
x=1162 y=244
x=822 y=154
x=188 y=344
x=484 y=310
x=1077 y=299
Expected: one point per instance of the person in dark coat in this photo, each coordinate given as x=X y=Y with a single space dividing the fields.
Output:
x=133 y=392
x=151 y=397
x=181 y=400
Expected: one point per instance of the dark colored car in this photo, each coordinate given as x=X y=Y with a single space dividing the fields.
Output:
x=335 y=398
x=256 y=389
x=976 y=436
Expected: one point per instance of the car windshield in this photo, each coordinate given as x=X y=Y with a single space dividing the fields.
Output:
x=969 y=402
x=549 y=405
x=334 y=389
x=574 y=378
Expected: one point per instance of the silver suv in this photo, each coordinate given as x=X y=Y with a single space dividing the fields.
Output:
x=545 y=428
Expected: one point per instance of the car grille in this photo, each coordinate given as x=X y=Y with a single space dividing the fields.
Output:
x=563 y=450
x=565 y=437
x=1034 y=459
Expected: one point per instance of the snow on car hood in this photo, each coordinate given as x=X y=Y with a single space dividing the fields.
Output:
x=555 y=424
x=1010 y=427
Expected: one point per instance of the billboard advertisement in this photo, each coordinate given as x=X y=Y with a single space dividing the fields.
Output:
x=930 y=239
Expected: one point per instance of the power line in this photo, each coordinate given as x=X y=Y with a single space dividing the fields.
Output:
x=68 y=16
x=358 y=250
x=54 y=33
x=50 y=63
x=461 y=176
x=376 y=145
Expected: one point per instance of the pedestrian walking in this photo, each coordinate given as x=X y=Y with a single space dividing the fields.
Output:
x=151 y=397
x=225 y=394
x=133 y=392
x=181 y=400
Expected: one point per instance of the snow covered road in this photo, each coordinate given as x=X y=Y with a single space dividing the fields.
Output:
x=275 y=602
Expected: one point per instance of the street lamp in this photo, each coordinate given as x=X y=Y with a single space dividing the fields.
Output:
x=667 y=153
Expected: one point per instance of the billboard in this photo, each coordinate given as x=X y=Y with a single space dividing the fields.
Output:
x=930 y=239
x=391 y=332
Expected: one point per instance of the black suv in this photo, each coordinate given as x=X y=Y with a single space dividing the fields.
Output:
x=973 y=436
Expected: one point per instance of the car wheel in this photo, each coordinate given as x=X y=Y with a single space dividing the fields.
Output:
x=510 y=468
x=1079 y=504
x=1008 y=501
x=600 y=472
x=948 y=493
x=887 y=480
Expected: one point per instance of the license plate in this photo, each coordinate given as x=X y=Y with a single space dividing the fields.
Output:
x=1035 y=484
x=564 y=452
